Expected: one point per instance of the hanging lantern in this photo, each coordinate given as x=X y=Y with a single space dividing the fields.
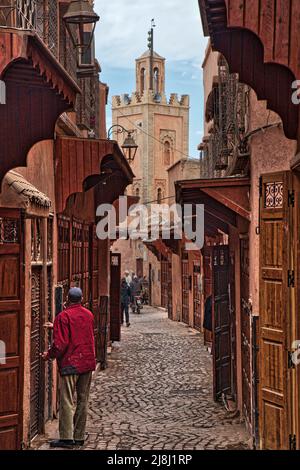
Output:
x=80 y=21
x=130 y=147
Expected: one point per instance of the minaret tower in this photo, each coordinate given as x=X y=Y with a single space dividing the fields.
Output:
x=161 y=125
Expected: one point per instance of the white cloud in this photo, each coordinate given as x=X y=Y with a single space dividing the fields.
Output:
x=121 y=34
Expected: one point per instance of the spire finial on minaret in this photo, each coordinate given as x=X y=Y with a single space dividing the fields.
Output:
x=151 y=48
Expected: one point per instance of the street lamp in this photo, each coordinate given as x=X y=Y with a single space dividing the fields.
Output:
x=129 y=145
x=80 y=14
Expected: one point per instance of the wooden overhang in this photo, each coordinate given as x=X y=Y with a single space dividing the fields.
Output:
x=224 y=200
x=158 y=248
x=260 y=41
x=37 y=89
x=81 y=164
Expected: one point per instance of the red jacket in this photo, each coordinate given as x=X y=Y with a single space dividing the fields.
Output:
x=73 y=341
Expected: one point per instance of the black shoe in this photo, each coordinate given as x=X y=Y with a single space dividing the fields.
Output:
x=64 y=443
x=79 y=443
x=128 y=325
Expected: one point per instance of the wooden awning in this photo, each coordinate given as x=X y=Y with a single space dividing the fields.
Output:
x=19 y=192
x=37 y=90
x=258 y=40
x=224 y=200
x=158 y=248
x=81 y=164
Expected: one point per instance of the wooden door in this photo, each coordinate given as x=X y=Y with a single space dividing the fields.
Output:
x=170 y=289
x=103 y=331
x=77 y=253
x=246 y=332
x=276 y=287
x=164 y=283
x=150 y=284
x=232 y=310
x=37 y=366
x=64 y=244
x=94 y=286
x=197 y=294
x=115 y=297
x=11 y=329
x=221 y=322
x=185 y=288
x=207 y=271
x=87 y=248
x=140 y=267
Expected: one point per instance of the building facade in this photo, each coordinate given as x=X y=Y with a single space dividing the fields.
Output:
x=161 y=130
x=53 y=163
x=255 y=271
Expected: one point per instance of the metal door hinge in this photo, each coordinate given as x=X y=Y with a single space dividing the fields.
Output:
x=291 y=198
x=293 y=442
x=291 y=278
x=291 y=364
x=260 y=186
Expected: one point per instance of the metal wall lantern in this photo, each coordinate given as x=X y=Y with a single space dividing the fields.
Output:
x=129 y=146
x=80 y=14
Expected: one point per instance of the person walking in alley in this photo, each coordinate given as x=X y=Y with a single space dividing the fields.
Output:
x=127 y=277
x=74 y=349
x=125 y=301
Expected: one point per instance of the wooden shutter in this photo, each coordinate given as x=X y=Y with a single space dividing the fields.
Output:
x=11 y=329
x=221 y=322
x=275 y=318
x=185 y=287
x=197 y=295
x=164 y=283
x=170 y=289
x=115 y=297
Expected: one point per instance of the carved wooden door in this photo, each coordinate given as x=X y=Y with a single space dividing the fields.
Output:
x=276 y=287
x=246 y=331
x=77 y=253
x=11 y=329
x=64 y=250
x=221 y=322
x=37 y=366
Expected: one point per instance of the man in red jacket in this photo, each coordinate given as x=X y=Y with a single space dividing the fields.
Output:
x=74 y=349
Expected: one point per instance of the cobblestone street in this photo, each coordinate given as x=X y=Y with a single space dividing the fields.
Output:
x=157 y=393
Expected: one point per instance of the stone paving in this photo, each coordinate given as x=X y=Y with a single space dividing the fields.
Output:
x=157 y=393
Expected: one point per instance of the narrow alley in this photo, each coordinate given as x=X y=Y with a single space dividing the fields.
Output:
x=156 y=393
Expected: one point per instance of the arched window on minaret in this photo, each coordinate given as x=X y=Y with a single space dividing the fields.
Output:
x=137 y=192
x=143 y=73
x=167 y=153
x=156 y=80
x=159 y=196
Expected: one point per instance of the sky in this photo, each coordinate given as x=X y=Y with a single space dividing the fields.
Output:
x=121 y=37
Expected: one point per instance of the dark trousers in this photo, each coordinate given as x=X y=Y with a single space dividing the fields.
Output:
x=124 y=309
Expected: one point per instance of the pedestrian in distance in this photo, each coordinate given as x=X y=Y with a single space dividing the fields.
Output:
x=125 y=301
x=74 y=349
x=127 y=277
